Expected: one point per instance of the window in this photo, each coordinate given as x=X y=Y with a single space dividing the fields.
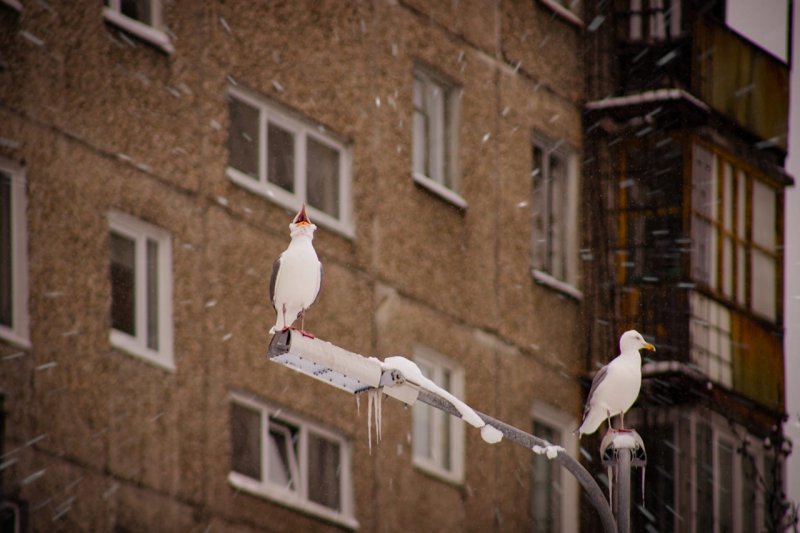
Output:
x=285 y=458
x=141 y=18
x=13 y=255
x=554 y=493
x=141 y=289
x=710 y=338
x=703 y=464
x=735 y=233
x=435 y=135
x=555 y=220
x=438 y=438
x=654 y=20
x=275 y=154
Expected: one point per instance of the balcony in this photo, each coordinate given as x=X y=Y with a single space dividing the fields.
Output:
x=734 y=76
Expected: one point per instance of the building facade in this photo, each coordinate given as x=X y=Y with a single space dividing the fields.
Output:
x=686 y=131
x=152 y=155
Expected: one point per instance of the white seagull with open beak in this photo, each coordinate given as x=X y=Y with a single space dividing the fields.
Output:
x=296 y=275
x=616 y=386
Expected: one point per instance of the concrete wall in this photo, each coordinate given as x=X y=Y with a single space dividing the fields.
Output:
x=102 y=123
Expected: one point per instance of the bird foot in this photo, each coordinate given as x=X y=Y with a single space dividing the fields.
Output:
x=306 y=334
x=620 y=430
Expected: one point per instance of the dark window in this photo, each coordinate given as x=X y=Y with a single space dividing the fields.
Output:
x=246 y=441
x=6 y=247
x=123 y=284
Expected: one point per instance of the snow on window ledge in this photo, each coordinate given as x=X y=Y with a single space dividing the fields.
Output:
x=439 y=190
x=563 y=12
x=432 y=469
x=130 y=346
x=12 y=337
x=289 y=499
x=543 y=278
x=150 y=34
x=13 y=4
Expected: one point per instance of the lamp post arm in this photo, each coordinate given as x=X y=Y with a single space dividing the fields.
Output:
x=528 y=441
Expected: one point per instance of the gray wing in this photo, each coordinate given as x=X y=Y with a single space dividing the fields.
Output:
x=275 y=267
x=598 y=379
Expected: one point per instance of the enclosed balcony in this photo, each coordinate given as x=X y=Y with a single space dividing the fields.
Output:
x=662 y=44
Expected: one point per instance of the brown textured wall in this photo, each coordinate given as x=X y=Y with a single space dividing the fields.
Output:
x=101 y=124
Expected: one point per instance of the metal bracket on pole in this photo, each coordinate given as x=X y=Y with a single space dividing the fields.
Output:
x=621 y=450
x=357 y=374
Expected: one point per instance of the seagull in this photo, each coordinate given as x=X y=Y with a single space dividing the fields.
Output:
x=615 y=387
x=296 y=275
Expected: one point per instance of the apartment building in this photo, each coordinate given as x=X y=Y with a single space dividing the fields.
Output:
x=686 y=129
x=152 y=155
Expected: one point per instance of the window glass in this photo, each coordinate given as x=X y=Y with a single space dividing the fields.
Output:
x=323 y=177
x=283 y=466
x=243 y=138
x=749 y=482
x=434 y=129
x=540 y=212
x=423 y=421
x=762 y=297
x=764 y=230
x=725 y=485
x=324 y=468
x=6 y=261
x=246 y=441
x=152 y=294
x=280 y=157
x=705 y=477
x=123 y=284
x=138 y=10
x=703 y=182
x=546 y=490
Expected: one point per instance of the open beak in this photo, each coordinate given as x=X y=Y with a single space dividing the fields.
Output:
x=302 y=217
x=648 y=346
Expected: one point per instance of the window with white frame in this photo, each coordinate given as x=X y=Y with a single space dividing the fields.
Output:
x=286 y=458
x=141 y=289
x=438 y=438
x=435 y=135
x=13 y=255
x=142 y=18
x=555 y=216
x=554 y=495
x=291 y=161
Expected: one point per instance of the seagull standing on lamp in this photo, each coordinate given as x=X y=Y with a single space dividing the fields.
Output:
x=616 y=386
x=296 y=276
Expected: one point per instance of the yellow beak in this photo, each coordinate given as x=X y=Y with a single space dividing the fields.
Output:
x=648 y=346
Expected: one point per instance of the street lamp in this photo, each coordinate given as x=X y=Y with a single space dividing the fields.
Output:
x=357 y=374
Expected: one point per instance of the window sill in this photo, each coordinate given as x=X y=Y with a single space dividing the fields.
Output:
x=148 y=33
x=131 y=346
x=436 y=471
x=289 y=201
x=543 y=278
x=289 y=499
x=563 y=12
x=13 y=4
x=439 y=190
x=11 y=336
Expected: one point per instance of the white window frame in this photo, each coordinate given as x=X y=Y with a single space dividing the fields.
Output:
x=153 y=33
x=297 y=499
x=540 y=271
x=19 y=332
x=301 y=130
x=447 y=155
x=433 y=465
x=564 y=424
x=140 y=232
x=571 y=13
